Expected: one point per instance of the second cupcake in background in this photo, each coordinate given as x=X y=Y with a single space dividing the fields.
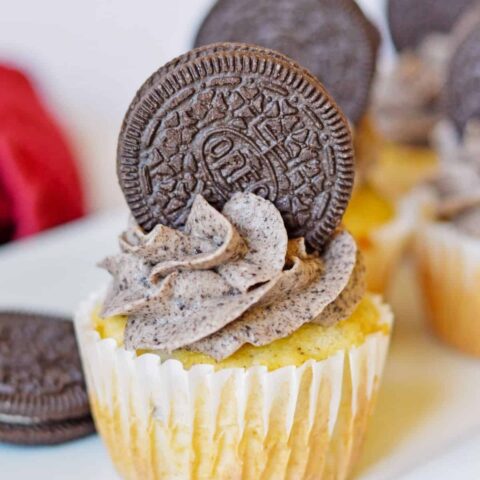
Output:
x=407 y=100
x=448 y=249
x=236 y=339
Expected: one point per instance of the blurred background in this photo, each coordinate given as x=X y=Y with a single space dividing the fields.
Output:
x=82 y=63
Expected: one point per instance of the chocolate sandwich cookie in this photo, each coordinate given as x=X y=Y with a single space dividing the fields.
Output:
x=43 y=399
x=410 y=21
x=332 y=38
x=232 y=118
x=462 y=91
x=51 y=433
x=205 y=50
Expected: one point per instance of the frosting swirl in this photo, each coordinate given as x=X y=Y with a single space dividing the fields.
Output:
x=227 y=279
x=406 y=100
x=457 y=185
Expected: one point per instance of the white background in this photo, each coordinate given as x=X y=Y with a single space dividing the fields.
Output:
x=89 y=57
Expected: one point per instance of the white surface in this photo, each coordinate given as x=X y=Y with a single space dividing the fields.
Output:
x=89 y=58
x=427 y=424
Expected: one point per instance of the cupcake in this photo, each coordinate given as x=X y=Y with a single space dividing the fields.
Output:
x=448 y=248
x=393 y=140
x=236 y=338
x=407 y=101
x=384 y=229
x=381 y=220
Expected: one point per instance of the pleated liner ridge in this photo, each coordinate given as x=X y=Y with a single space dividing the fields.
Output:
x=160 y=421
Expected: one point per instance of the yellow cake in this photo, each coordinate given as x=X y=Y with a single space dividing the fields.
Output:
x=310 y=342
x=392 y=168
x=383 y=230
x=402 y=167
x=368 y=211
x=385 y=207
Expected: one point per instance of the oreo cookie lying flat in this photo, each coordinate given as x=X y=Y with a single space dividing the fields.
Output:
x=229 y=118
x=410 y=21
x=332 y=38
x=462 y=90
x=51 y=433
x=43 y=399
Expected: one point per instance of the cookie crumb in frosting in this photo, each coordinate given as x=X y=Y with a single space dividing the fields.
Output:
x=227 y=279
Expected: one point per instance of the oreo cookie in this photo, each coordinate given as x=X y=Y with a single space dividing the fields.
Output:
x=51 y=433
x=43 y=398
x=410 y=21
x=228 y=118
x=332 y=38
x=462 y=90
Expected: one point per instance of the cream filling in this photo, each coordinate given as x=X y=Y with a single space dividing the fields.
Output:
x=457 y=185
x=18 y=420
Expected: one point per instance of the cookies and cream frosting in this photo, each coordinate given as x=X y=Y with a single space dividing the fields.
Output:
x=227 y=279
x=406 y=100
x=457 y=185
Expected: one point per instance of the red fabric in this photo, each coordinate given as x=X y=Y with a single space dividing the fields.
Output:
x=39 y=182
x=4 y=209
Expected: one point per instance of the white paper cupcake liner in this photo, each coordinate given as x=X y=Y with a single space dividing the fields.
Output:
x=448 y=267
x=387 y=244
x=160 y=421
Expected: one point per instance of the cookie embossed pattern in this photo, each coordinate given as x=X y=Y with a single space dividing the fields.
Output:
x=332 y=38
x=239 y=120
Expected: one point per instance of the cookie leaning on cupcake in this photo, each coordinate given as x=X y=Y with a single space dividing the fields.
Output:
x=243 y=344
x=448 y=249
